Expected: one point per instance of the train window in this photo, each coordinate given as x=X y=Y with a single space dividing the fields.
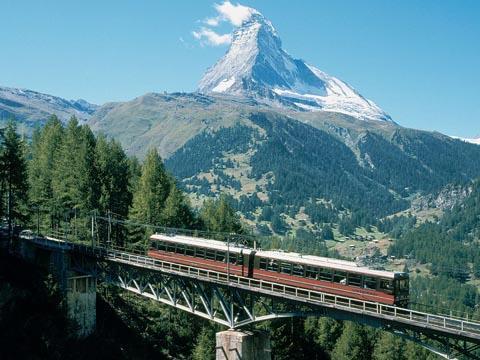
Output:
x=200 y=252
x=240 y=259
x=263 y=263
x=386 y=286
x=325 y=274
x=180 y=249
x=220 y=256
x=311 y=272
x=272 y=265
x=161 y=246
x=340 y=277
x=402 y=284
x=171 y=248
x=190 y=251
x=210 y=254
x=286 y=267
x=370 y=282
x=355 y=279
x=298 y=270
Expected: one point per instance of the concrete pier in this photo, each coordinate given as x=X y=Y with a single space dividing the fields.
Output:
x=243 y=345
x=81 y=304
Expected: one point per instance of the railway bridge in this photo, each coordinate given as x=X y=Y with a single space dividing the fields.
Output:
x=230 y=300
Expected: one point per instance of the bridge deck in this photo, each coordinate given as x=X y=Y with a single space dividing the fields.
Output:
x=406 y=318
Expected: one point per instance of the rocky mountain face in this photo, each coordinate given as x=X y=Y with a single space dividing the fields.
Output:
x=257 y=67
x=31 y=108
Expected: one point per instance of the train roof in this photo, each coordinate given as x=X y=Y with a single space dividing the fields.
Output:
x=202 y=242
x=308 y=260
x=318 y=261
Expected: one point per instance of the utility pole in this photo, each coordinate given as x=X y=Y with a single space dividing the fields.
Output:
x=228 y=259
x=93 y=234
x=38 y=220
x=109 y=228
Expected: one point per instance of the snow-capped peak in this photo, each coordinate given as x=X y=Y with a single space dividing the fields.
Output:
x=256 y=66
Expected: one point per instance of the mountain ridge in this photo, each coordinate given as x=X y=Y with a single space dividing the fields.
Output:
x=256 y=66
x=31 y=107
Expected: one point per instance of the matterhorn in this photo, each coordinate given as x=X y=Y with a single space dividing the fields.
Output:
x=256 y=66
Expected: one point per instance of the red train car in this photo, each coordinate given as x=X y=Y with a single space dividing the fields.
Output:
x=338 y=277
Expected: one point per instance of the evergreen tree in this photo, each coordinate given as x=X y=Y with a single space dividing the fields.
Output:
x=205 y=346
x=219 y=216
x=152 y=191
x=177 y=212
x=113 y=170
x=324 y=331
x=74 y=181
x=14 y=176
x=327 y=233
x=288 y=339
x=353 y=344
x=389 y=347
x=44 y=155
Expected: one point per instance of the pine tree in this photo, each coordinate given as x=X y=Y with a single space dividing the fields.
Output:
x=177 y=213
x=389 y=347
x=44 y=155
x=115 y=196
x=288 y=339
x=353 y=344
x=14 y=176
x=152 y=191
x=325 y=332
x=149 y=197
x=219 y=216
x=75 y=182
x=205 y=346
x=113 y=171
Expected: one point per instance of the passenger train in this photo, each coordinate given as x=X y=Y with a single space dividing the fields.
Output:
x=337 y=277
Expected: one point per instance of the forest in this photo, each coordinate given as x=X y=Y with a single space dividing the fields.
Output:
x=66 y=173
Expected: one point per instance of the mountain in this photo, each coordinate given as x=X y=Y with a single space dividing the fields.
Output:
x=471 y=141
x=256 y=66
x=31 y=107
x=304 y=168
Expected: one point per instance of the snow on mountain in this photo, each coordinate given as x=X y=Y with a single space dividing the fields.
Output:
x=471 y=141
x=31 y=106
x=256 y=66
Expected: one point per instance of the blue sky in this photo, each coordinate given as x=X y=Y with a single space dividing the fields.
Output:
x=418 y=60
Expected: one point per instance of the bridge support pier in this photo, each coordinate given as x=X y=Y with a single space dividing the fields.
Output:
x=81 y=304
x=244 y=345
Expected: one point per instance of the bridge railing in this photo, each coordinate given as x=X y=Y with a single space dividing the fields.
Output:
x=375 y=309
x=309 y=296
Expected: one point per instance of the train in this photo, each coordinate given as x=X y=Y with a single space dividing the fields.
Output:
x=332 y=276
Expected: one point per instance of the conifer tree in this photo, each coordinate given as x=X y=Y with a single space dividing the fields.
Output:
x=152 y=191
x=219 y=216
x=14 y=176
x=113 y=171
x=205 y=346
x=177 y=212
x=353 y=344
x=44 y=155
x=389 y=347
x=75 y=182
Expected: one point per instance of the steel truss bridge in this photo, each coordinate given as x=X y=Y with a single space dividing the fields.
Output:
x=236 y=301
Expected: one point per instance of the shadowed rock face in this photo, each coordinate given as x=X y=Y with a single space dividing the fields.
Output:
x=257 y=67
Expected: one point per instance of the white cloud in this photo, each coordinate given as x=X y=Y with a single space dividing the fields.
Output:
x=214 y=21
x=235 y=14
x=211 y=37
